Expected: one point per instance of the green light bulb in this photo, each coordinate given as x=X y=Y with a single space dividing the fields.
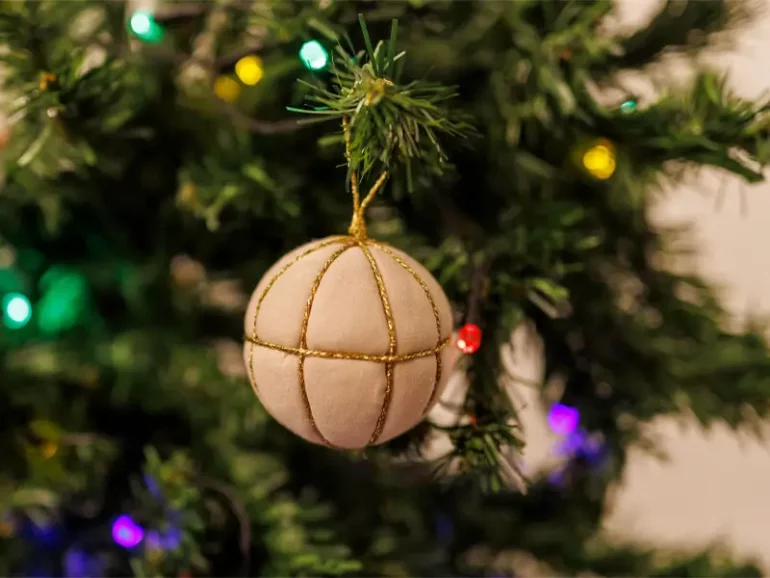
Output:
x=628 y=106
x=143 y=24
x=313 y=55
x=64 y=303
x=17 y=311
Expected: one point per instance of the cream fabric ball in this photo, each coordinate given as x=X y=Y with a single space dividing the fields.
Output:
x=347 y=342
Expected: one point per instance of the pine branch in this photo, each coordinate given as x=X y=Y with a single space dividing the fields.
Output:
x=618 y=559
x=261 y=126
x=230 y=494
x=707 y=124
x=202 y=62
x=681 y=25
x=390 y=123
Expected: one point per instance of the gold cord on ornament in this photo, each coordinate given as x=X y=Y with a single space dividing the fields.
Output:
x=440 y=342
x=398 y=358
x=389 y=360
x=358 y=223
x=303 y=337
x=391 y=342
x=254 y=339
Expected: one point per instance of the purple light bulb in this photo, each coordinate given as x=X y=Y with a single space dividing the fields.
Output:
x=168 y=540
x=556 y=478
x=563 y=419
x=572 y=444
x=126 y=532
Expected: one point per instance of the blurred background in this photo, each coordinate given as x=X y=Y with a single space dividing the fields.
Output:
x=149 y=455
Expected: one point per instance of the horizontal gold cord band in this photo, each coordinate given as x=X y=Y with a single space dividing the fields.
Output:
x=343 y=355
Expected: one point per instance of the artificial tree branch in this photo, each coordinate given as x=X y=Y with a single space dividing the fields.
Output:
x=249 y=123
x=239 y=510
x=201 y=64
x=369 y=94
x=478 y=289
x=679 y=24
x=261 y=126
x=233 y=57
x=254 y=125
x=171 y=13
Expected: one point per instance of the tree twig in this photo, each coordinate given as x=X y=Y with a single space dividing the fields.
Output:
x=477 y=289
x=168 y=14
x=252 y=124
x=261 y=126
x=239 y=510
x=235 y=56
x=201 y=64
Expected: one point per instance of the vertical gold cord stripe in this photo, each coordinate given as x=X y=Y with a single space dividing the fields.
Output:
x=391 y=343
x=309 y=251
x=303 y=338
x=436 y=316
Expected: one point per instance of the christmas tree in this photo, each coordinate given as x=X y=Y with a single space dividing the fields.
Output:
x=158 y=161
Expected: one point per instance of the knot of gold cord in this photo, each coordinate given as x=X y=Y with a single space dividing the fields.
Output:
x=357 y=226
x=376 y=90
x=358 y=223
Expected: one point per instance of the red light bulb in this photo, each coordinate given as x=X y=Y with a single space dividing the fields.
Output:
x=469 y=338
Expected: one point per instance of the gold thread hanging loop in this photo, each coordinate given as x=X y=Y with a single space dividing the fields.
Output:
x=358 y=223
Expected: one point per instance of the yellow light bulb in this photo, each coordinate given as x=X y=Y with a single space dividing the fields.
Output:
x=249 y=70
x=599 y=160
x=49 y=450
x=226 y=88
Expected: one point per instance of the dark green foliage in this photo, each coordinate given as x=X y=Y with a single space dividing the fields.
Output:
x=124 y=171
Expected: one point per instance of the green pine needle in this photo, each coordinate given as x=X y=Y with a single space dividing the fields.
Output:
x=390 y=123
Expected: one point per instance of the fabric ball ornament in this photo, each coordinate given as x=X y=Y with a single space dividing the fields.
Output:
x=346 y=342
